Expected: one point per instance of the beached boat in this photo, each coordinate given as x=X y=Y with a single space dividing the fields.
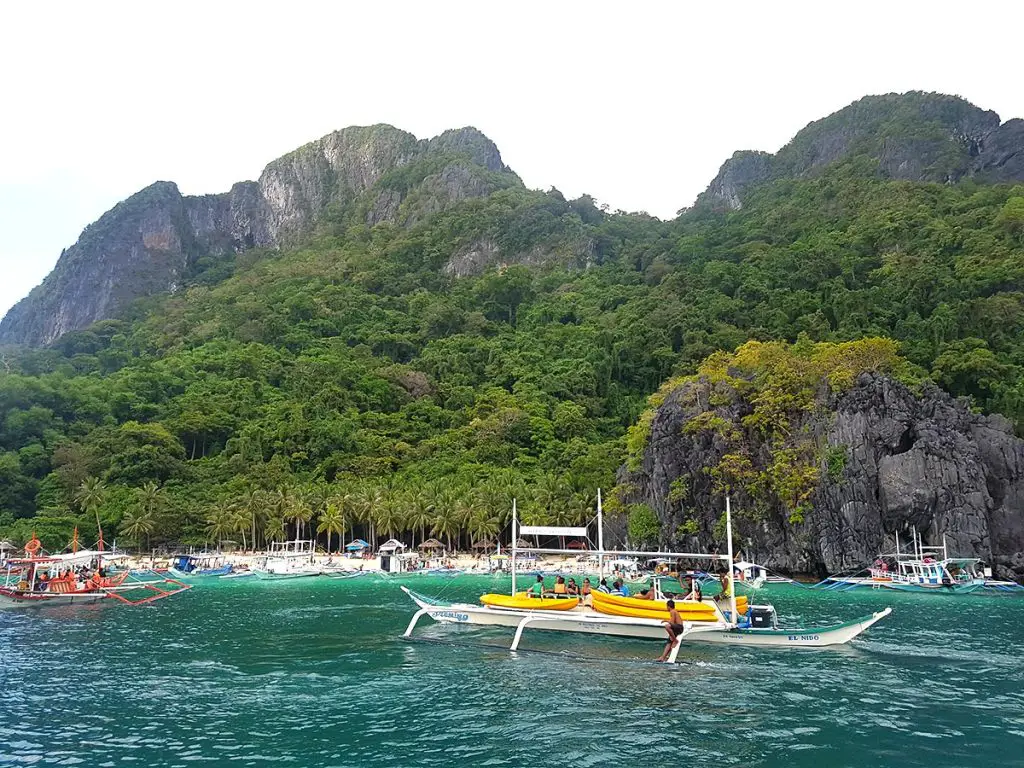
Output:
x=719 y=620
x=288 y=560
x=201 y=564
x=924 y=569
x=75 y=578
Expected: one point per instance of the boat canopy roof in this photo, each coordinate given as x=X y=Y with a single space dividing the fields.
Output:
x=82 y=557
x=391 y=545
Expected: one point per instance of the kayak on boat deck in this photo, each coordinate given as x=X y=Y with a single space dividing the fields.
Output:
x=640 y=604
x=610 y=609
x=525 y=602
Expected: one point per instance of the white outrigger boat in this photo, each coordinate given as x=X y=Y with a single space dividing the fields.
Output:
x=713 y=621
x=924 y=569
x=288 y=560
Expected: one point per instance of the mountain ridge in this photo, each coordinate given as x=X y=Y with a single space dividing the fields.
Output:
x=913 y=136
x=368 y=175
x=147 y=243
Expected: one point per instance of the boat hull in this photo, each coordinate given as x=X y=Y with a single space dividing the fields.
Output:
x=10 y=600
x=199 y=574
x=270 y=576
x=960 y=588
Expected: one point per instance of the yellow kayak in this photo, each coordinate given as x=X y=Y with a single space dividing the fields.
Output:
x=610 y=609
x=683 y=606
x=524 y=602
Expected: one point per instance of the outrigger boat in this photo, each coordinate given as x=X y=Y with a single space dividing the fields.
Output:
x=288 y=560
x=198 y=565
x=707 y=621
x=925 y=569
x=50 y=580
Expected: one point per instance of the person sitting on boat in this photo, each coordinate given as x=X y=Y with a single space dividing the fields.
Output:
x=537 y=590
x=620 y=589
x=647 y=594
x=694 y=593
x=585 y=590
x=560 y=588
x=674 y=627
x=603 y=586
x=572 y=588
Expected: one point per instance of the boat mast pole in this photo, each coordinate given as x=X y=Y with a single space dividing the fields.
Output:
x=514 y=536
x=732 y=583
x=600 y=539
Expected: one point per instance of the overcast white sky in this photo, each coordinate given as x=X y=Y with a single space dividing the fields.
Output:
x=635 y=103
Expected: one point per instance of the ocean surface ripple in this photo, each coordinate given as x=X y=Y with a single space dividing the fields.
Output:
x=315 y=673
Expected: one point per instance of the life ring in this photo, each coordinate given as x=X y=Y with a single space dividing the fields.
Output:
x=33 y=546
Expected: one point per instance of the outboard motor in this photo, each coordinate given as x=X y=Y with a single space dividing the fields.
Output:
x=763 y=617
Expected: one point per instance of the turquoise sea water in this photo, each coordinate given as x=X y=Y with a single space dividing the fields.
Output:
x=314 y=673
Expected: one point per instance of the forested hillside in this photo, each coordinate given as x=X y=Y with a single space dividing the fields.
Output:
x=356 y=379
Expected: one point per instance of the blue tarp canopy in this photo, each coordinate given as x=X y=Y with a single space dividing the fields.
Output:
x=356 y=545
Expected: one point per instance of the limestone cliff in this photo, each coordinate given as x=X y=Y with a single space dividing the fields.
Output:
x=148 y=243
x=913 y=136
x=890 y=462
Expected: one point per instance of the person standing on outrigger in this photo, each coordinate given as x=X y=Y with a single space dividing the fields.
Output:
x=674 y=627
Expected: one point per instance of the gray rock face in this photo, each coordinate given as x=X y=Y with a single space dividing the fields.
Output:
x=483 y=254
x=925 y=464
x=147 y=243
x=1003 y=157
x=911 y=136
x=740 y=172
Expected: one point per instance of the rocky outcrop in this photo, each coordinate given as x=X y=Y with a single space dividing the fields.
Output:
x=740 y=172
x=148 y=243
x=913 y=136
x=897 y=463
x=484 y=253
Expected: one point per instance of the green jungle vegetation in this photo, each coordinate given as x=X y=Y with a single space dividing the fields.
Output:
x=351 y=387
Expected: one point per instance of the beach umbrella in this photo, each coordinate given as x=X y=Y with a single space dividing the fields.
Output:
x=484 y=545
x=431 y=544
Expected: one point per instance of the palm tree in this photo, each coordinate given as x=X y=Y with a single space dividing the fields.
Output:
x=446 y=517
x=465 y=507
x=137 y=523
x=90 y=496
x=388 y=516
x=253 y=504
x=151 y=499
x=366 y=500
x=299 y=512
x=315 y=496
x=483 y=525
x=550 y=497
x=419 y=514
x=273 y=528
x=278 y=503
x=219 y=522
x=332 y=521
